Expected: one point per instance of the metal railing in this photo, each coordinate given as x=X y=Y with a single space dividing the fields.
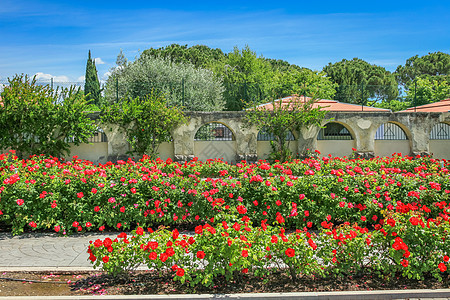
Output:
x=214 y=132
x=263 y=135
x=440 y=131
x=390 y=131
x=334 y=131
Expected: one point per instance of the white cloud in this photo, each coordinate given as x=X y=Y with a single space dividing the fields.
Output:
x=81 y=78
x=106 y=75
x=99 y=61
x=47 y=77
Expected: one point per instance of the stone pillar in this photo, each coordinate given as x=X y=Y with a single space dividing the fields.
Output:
x=364 y=132
x=183 y=139
x=246 y=142
x=420 y=136
x=118 y=146
x=307 y=139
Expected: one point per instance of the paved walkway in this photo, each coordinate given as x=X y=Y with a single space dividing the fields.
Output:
x=49 y=252
x=45 y=251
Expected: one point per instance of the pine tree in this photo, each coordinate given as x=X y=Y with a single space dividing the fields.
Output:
x=92 y=85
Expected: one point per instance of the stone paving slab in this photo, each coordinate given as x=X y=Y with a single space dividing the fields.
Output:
x=46 y=251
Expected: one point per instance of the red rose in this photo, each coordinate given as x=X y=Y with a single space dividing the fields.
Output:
x=163 y=257
x=105 y=259
x=201 y=254
x=442 y=267
x=414 y=221
x=241 y=209
x=153 y=255
x=290 y=252
x=175 y=234
x=140 y=231
x=20 y=202
x=180 y=272
x=405 y=263
x=244 y=253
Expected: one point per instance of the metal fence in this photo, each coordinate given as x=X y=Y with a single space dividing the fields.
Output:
x=214 y=132
x=440 y=131
x=247 y=91
x=334 y=131
x=390 y=131
x=263 y=135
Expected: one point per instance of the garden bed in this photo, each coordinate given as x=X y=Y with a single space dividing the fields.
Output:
x=327 y=218
x=145 y=283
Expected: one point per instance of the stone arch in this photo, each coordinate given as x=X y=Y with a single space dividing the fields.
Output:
x=392 y=137
x=439 y=141
x=215 y=140
x=338 y=140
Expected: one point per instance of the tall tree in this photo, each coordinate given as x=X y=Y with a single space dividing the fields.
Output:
x=427 y=89
x=432 y=64
x=200 y=56
x=359 y=81
x=92 y=85
x=35 y=119
x=247 y=78
x=181 y=83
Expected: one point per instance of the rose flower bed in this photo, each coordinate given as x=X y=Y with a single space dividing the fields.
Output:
x=312 y=217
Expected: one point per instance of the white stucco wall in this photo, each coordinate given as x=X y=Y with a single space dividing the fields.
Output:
x=339 y=148
x=95 y=152
x=440 y=148
x=388 y=147
x=264 y=148
x=215 y=149
x=165 y=151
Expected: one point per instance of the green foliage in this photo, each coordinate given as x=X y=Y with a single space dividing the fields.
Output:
x=428 y=89
x=358 y=81
x=246 y=77
x=183 y=84
x=285 y=117
x=37 y=119
x=432 y=64
x=394 y=105
x=147 y=121
x=92 y=89
x=200 y=56
x=303 y=81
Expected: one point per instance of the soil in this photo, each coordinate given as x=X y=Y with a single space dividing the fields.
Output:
x=148 y=282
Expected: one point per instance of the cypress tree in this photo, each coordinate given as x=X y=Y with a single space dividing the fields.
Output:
x=92 y=85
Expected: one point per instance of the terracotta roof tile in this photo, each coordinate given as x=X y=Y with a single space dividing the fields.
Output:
x=441 y=106
x=329 y=105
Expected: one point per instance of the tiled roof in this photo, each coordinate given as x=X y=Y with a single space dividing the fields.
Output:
x=441 y=106
x=329 y=105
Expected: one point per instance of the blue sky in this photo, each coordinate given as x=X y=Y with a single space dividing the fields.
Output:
x=52 y=38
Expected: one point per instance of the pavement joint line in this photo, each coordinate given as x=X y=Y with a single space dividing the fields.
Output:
x=387 y=294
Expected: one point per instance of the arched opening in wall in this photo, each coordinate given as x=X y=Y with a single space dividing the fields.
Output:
x=96 y=150
x=439 y=145
x=264 y=147
x=215 y=140
x=390 y=138
x=335 y=139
